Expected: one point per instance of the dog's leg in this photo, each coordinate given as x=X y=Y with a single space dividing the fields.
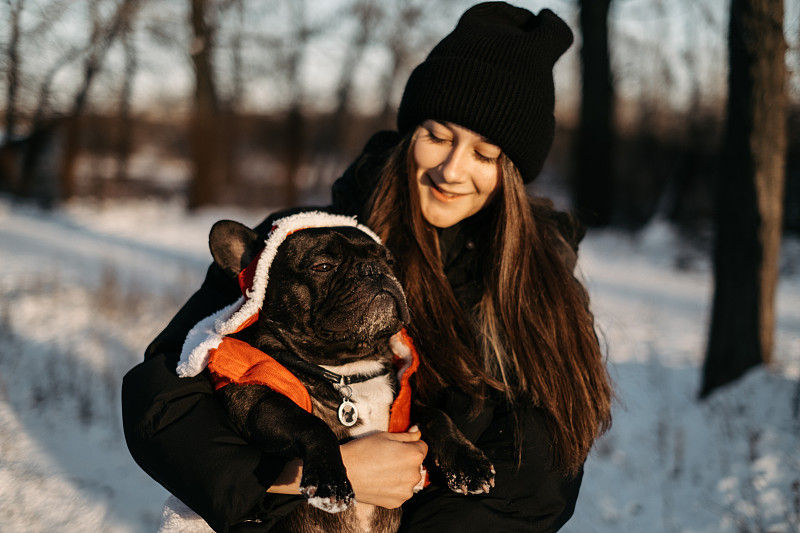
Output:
x=275 y=424
x=465 y=467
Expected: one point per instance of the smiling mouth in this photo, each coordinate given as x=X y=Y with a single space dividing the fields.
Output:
x=441 y=194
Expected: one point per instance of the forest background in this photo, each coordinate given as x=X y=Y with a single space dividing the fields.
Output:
x=231 y=101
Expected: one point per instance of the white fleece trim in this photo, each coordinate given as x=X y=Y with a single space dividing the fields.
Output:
x=401 y=350
x=202 y=338
x=176 y=517
x=207 y=334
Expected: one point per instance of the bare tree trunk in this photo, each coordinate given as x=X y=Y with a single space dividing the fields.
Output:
x=690 y=181
x=10 y=174
x=593 y=180
x=368 y=13
x=73 y=129
x=408 y=17
x=237 y=44
x=102 y=37
x=206 y=150
x=233 y=104
x=42 y=113
x=12 y=68
x=295 y=121
x=125 y=135
x=50 y=15
x=750 y=195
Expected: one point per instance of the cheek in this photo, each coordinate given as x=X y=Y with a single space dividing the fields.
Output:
x=487 y=182
x=425 y=157
x=298 y=300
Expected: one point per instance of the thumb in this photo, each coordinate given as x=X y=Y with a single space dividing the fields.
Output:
x=412 y=435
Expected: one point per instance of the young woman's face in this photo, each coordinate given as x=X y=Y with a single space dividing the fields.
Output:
x=457 y=172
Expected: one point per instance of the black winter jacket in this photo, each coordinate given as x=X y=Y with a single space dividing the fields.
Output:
x=178 y=432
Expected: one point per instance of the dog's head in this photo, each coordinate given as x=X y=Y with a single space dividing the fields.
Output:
x=329 y=290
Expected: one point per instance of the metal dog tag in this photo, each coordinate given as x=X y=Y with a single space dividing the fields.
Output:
x=348 y=414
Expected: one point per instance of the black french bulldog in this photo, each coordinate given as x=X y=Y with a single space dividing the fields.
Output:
x=332 y=300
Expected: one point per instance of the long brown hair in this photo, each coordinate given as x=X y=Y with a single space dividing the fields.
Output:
x=532 y=334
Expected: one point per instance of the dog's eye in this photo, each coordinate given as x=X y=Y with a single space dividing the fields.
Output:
x=322 y=267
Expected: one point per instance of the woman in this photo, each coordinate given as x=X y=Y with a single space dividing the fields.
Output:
x=506 y=338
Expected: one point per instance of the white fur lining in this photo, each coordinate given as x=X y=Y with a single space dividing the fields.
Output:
x=176 y=517
x=207 y=334
x=401 y=350
x=355 y=368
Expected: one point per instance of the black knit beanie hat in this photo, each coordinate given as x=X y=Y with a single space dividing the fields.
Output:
x=493 y=75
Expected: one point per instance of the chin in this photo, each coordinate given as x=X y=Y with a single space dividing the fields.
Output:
x=444 y=220
x=438 y=222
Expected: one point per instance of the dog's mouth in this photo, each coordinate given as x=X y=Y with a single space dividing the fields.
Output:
x=384 y=315
x=388 y=304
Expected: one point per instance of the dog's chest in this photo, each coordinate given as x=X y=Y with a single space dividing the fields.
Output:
x=372 y=399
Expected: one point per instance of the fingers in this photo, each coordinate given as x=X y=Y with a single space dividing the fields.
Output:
x=385 y=467
x=412 y=435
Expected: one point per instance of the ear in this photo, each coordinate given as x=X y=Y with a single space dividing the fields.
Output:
x=233 y=246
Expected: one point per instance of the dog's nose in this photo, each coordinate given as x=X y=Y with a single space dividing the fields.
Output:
x=368 y=269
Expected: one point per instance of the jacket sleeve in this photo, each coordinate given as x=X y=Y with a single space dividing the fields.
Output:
x=527 y=497
x=179 y=433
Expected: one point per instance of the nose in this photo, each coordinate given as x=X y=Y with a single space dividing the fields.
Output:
x=367 y=268
x=454 y=168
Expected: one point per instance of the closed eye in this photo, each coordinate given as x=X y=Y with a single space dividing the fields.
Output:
x=487 y=152
x=323 y=267
x=433 y=138
x=485 y=158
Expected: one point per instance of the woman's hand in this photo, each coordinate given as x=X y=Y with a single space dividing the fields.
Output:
x=384 y=467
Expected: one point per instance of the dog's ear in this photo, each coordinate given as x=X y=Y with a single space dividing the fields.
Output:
x=233 y=246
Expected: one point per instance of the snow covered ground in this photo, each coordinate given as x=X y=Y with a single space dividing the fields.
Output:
x=84 y=289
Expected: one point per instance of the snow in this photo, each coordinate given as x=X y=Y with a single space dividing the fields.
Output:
x=83 y=290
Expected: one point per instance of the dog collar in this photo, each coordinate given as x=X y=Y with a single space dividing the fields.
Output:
x=291 y=360
x=347 y=412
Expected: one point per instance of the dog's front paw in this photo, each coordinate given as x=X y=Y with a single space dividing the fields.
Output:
x=467 y=470
x=329 y=491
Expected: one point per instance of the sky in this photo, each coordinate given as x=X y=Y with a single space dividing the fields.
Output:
x=668 y=47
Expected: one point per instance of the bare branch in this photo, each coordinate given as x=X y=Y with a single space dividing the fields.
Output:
x=102 y=37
